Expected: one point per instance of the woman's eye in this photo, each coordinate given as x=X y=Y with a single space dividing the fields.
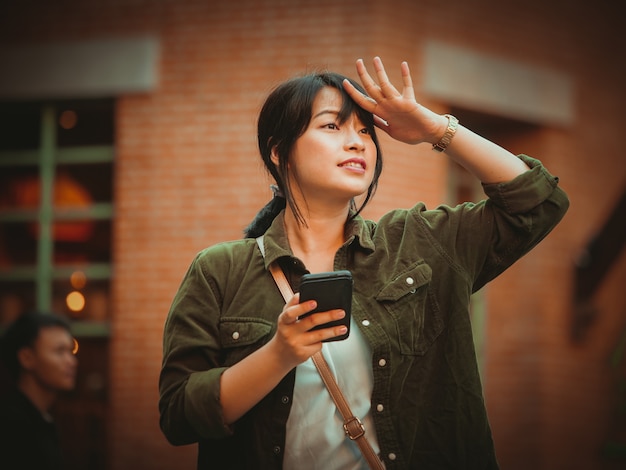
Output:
x=365 y=131
x=331 y=125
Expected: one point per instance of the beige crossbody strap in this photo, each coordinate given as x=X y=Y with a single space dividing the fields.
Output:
x=351 y=424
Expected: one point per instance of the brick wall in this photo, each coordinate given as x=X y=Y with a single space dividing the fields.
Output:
x=188 y=175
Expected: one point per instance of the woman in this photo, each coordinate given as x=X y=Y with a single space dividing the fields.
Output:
x=237 y=375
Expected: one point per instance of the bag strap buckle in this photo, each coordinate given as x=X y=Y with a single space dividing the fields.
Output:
x=354 y=428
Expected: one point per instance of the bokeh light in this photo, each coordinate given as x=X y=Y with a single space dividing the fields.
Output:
x=75 y=301
x=68 y=119
x=78 y=279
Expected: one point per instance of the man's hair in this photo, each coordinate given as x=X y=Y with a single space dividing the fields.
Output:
x=22 y=333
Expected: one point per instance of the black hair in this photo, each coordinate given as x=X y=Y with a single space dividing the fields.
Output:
x=23 y=332
x=284 y=117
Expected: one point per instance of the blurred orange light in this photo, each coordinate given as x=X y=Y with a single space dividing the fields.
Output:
x=68 y=119
x=78 y=279
x=75 y=301
x=75 y=348
x=68 y=194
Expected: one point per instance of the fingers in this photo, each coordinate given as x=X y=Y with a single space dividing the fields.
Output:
x=309 y=322
x=384 y=88
x=294 y=321
x=380 y=123
x=389 y=91
x=359 y=98
x=407 y=81
x=316 y=337
x=365 y=102
x=366 y=80
x=294 y=309
x=316 y=328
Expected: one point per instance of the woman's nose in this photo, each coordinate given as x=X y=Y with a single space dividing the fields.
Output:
x=354 y=139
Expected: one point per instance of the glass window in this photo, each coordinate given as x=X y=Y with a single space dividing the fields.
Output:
x=56 y=211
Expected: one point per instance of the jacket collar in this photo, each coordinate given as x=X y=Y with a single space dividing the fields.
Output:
x=276 y=244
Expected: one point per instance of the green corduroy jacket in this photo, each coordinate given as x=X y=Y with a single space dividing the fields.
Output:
x=414 y=271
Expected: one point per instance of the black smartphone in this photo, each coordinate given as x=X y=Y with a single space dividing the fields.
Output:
x=331 y=290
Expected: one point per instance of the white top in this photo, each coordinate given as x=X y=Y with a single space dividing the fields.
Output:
x=315 y=435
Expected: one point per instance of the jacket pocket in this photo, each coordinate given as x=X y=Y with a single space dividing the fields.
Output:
x=415 y=315
x=240 y=336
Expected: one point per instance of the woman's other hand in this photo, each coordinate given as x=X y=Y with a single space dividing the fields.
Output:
x=294 y=339
x=397 y=113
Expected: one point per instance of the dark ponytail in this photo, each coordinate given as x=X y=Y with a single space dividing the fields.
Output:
x=266 y=216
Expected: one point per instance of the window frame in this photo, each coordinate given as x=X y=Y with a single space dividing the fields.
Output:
x=46 y=158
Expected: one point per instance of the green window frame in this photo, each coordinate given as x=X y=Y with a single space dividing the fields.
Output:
x=46 y=159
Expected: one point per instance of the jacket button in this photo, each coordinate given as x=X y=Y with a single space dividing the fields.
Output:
x=382 y=362
x=392 y=456
x=285 y=399
x=380 y=407
x=410 y=281
x=276 y=450
x=236 y=335
x=365 y=323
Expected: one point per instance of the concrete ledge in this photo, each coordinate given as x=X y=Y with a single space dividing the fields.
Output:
x=466 y=78
x=95 y=68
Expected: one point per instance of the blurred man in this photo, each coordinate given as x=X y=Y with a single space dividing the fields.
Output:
x=38 y=352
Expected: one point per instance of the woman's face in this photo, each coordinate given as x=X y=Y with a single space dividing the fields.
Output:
x=331 y=161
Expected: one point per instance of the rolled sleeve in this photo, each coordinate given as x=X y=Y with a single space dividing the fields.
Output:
x=526 y=191
x=203 y=408
x=189 y=382
x=483 y=239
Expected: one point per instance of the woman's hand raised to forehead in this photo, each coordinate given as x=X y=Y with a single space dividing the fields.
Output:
x=395 y=112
